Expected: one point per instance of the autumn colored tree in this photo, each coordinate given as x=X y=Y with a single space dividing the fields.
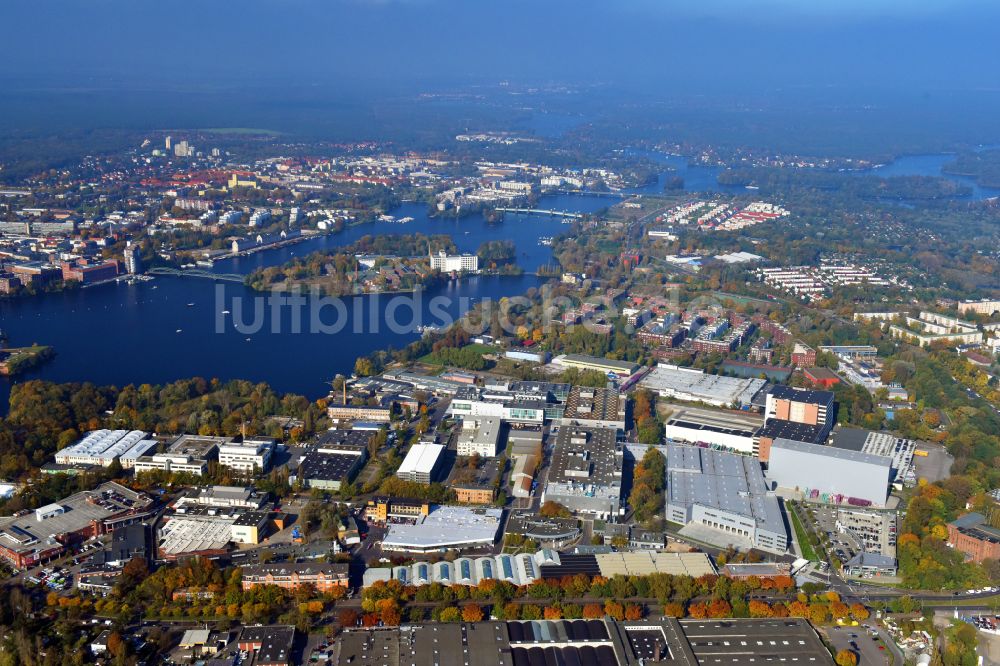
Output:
x=673 y=609
x=839 y=610
x=720 y=608
x=593 y=611
x=846 y=658
x=472 y=613
x=115 y=643
x=531 y=612
x=698 y=610
x=859 y=612
x=314 y=607
x=614 y=610
x=389 y=611
x=450 y=614
x=551 y=509
x=759 y=608
x=135 y=571
x=347 y=617
x=783 y=583
x=552 y=613
x=369 y=620
x=818 y=613
x=798 y=609
x=633 y=612
x=487 y=586
x=646 y=498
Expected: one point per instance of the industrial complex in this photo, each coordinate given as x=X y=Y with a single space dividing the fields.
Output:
x=586 y=471
x=724 y=497
x=445 y=527
x=692 y=385
x=814 y=471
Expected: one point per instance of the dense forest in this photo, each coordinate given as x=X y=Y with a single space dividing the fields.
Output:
x=334 y=272
x=983 y=165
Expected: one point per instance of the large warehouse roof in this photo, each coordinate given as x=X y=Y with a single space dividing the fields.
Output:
x=421 y=459
x=446 y=527
x=724 y=481
x=102 y=446
x=698 y=386
x=830 y=452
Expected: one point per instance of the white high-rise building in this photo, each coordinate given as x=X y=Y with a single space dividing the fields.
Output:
x=133 y=262
x=454 y=262
x=260 y=217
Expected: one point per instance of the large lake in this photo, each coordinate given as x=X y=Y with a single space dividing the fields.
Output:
x=168 y=328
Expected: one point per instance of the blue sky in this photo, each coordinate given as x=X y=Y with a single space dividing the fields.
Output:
x=687 y=44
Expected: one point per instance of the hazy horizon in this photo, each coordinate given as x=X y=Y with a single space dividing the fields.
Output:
x=890 y=77
x=697 y=47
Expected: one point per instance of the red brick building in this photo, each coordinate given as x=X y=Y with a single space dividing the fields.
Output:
x=90 y=273
x=975 y=537
x=821 y=377
x=36 y=537
x=803 y=355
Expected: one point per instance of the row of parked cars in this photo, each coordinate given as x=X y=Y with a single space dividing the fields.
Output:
x=54 y=578
x=986 y=622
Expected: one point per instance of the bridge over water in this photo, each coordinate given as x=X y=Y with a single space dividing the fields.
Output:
x=540 y=211
x=591 y=193
x=197 y=273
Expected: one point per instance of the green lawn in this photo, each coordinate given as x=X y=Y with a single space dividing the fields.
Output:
x=802 y=537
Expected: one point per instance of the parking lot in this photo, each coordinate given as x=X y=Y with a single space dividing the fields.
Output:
x=868 y=648
x=936 y=465
x=843 y=545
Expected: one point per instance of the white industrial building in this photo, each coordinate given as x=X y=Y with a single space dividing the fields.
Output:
x=102 y=447
x=444 y=528
x=226 y=497
x=475 y=403
x=171 y=463
x=480 y=436
x=188 y=454
x=585 y=474
x=521 y=569
x=719 y=428
x=249 y=456
x=722 y=498
x=691 y=385
x=898 y=449
x=829 y=473
x=421 y=463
